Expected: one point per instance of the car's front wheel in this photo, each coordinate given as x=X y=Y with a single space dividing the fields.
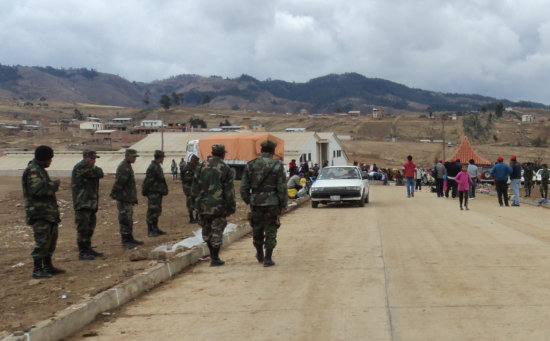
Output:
x=314 y=204
x=361 y=203
x=367 y=199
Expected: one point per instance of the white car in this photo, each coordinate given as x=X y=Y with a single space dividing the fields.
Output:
x=340 y=184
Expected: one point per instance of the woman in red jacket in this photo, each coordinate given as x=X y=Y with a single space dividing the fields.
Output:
x=408 y=173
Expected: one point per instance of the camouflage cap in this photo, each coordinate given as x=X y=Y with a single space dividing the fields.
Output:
x=218 y=149
x=158 y=153
x=90 y=153
x=269 y=144
x=131 y=152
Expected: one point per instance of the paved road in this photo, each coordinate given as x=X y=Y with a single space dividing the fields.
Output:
x=397 y=269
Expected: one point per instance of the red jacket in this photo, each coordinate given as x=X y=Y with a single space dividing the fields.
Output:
x=409 y=167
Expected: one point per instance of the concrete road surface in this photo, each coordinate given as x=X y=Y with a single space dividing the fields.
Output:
x=397 y=269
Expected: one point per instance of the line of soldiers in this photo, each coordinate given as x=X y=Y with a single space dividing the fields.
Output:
x=208 y=187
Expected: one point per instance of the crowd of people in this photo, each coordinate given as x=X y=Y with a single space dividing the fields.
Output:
x=455 y=179
x=208 y=187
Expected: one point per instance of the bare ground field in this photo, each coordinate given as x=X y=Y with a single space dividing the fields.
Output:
x=25 y=300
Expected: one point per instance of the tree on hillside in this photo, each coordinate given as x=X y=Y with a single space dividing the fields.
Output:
x=177 y=99
x=205 y=98
x=78 y=115
x=146 y=100
x=225 y=124
x=165 y=101
x=499 y=110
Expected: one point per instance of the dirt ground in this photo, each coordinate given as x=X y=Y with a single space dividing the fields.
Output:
x=25 y=300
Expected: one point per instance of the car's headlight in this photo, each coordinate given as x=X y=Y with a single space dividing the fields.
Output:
x=315 y=189
x=353 y=188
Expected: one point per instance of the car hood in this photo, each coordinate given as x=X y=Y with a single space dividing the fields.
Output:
x=337 y=183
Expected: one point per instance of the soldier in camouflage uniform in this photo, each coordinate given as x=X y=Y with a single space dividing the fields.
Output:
x=42 y=212
x=125 y=193
x=154 y=188
x=213 y=196
x=85 y=187
x=187 y=175
x=544 y=178
x=528 y=171
x=263 y=187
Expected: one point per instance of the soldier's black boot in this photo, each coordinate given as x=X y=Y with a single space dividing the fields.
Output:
x=215 y=258
x=151 y=232
x=259 y=254
x=92 y=251
x=49 y=268
x=83 y=253
x=127 y=241
x=159 y=231
x=38 y=271
x=137 y=242
x=194 y=219
x=267 y=260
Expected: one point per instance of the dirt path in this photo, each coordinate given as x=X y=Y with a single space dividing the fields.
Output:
x=398 y=269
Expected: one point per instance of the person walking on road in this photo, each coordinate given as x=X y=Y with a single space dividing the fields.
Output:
x=154 y=188
x=213 y=196
x=440 y=173
x=263 y=187
x=501 y=171
x=174 y=169
x=187 y=176
x=418 y=175
x=463 y=181
x=515 y=179
x=453 y=168
x=125 y=193
x=473 y=171
x=544 y=178
x=42 y=212
x=408 y=172
x=85 y=189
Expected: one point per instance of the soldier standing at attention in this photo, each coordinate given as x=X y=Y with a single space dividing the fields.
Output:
x=213 y=196
x=263 y=187
x=85 y=187
x=544 y=179
x=187 y=175
x=154 y=188
x=528 y=172
x=42 y=212
x=125 y=193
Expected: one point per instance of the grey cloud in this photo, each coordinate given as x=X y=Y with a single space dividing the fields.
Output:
x=500 y=49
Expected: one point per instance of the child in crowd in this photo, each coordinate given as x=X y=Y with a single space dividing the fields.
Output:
x=463 y=181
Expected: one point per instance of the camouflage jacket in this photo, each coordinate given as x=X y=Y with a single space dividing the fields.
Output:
x=85 y=186
x=39 y=193
x=187 y=175
x=212 y=192
x=528 y=171
x=154 y=181
x=124 y=188
x=264 y=182
x=544 y=176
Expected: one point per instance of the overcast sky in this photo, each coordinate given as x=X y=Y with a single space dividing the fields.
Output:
x=498 y=48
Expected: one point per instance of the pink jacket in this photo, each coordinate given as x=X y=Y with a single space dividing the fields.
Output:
x=463 y=180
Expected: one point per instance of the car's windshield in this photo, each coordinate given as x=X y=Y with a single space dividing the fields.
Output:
x=339 y=173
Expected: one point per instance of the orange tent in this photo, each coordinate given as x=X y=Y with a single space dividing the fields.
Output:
x=465 y=152
x=241 y=146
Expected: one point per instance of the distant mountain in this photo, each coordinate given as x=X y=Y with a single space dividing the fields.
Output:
x=327 y=94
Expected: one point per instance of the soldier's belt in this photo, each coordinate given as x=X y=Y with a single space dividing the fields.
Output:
x=263 y=190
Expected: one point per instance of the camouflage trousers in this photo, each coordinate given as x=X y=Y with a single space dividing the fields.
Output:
x=265 y=223
x=544 y=190
x=85 y=221
x=189 y=204
x=212 y=229
x=154 y=207
x=125 y=217
x=45 y=238
x=527 y=185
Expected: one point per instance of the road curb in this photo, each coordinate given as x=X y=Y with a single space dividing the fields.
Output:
x=75 y=317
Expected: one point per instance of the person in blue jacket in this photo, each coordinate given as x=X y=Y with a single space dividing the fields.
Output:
x=501 y=171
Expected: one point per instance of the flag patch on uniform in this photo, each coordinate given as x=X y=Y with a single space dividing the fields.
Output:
x=34 y=175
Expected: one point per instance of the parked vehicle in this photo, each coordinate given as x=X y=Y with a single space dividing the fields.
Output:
x=340 y=184
x=538 y=176
x=241 y=148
